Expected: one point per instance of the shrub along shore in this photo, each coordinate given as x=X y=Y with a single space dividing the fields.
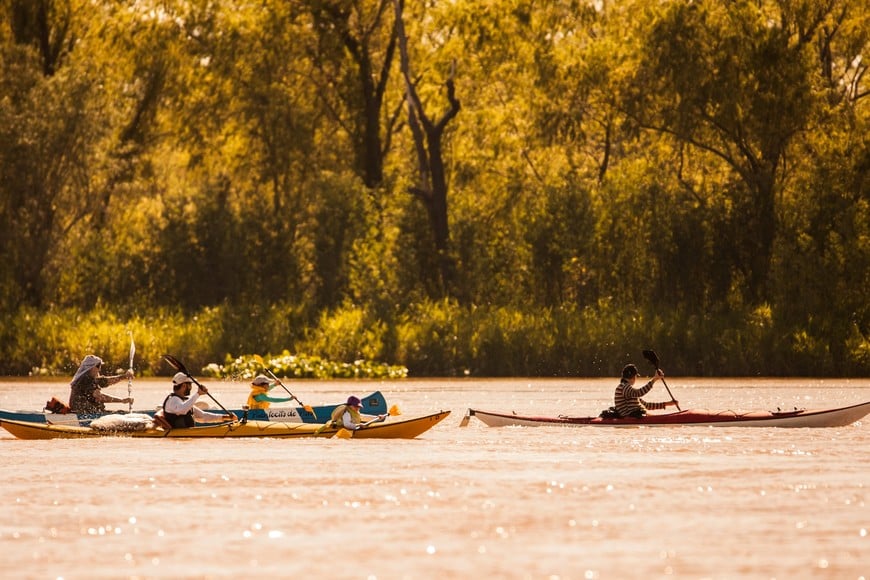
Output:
x=440 y=339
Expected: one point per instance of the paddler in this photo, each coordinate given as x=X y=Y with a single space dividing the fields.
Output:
x=627 y=400
x=259 y=397
x=349 y=416
x=85 y=394
x=179 y=408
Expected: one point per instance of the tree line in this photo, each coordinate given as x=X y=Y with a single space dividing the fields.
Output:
x=492 y=188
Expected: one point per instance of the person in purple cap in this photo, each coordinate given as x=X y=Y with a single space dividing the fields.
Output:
x=348 y=415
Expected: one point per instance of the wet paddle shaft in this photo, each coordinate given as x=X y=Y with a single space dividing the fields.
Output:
x=130 y=379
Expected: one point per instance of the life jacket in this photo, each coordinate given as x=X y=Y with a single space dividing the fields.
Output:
x=339 y=411
x=178 y=421
x=258 y=390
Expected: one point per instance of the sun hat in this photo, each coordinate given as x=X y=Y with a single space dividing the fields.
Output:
x=261 y=381
x=354 y=401
x=89 y=362
x=180 y=379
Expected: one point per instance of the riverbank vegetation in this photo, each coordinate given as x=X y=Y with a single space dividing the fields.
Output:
x=501 y=188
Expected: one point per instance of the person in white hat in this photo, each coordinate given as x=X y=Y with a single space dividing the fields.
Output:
x=85 y=394
x=179 y=407
x=259 y=396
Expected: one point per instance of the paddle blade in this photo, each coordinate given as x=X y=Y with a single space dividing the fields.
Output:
x=465 y=419
x=175 y=363
x=394 y=411
x=132 y=350
x=344 y=434
x=308 y=408
x=651 y=356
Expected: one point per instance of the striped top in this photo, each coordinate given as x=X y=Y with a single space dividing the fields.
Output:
x=627 y=399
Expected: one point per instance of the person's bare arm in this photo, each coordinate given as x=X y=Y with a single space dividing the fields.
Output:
x=104 y=398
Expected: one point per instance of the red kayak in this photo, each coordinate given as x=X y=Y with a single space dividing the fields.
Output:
x=838 y=417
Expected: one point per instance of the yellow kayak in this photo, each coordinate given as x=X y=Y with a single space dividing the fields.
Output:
x=391 y=429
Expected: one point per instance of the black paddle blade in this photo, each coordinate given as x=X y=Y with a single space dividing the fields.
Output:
x=650 y=355
x=175 y=363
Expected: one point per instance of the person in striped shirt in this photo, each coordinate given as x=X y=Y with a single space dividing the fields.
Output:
x=627 y=399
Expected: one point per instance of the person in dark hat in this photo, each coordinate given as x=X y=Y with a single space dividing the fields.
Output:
x=349 y=415
x=85 y=390
x=627 y=399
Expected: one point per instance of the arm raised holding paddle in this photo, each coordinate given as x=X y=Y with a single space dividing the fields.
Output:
x=627 y=398
x=347 y=418
x=653 y=358
x=180 y=409
x=184 y=376
x=86 y=394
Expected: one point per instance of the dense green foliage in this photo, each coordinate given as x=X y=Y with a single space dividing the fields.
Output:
x=303 y=367
x=501 y=188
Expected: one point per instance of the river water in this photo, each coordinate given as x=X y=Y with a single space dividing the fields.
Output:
x=538 y=503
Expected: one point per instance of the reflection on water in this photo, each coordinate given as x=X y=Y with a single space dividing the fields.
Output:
x=543 y=502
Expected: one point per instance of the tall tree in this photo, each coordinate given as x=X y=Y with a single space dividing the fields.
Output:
x=731 y=81
x=431 y=187
x=49 y=129
x=356 y=44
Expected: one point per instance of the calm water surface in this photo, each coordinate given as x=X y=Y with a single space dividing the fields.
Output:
x=546 y=502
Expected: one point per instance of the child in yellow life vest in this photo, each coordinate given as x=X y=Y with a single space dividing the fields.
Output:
x=259 y=397
x=348 y=415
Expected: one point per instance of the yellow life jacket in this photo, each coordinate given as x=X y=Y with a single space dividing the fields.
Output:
x=258 y=390
x=337 y=413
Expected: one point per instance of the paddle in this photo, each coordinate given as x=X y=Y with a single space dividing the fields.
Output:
x=304 y=406
x=654 y=359
x=392 y=412
x=130 y=379
x=177 y=365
